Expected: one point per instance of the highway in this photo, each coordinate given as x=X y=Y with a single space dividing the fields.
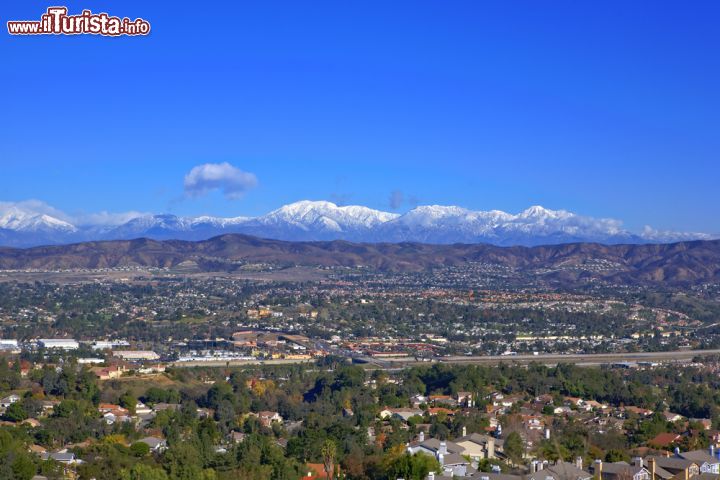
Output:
x=585 y=359
x=237 y=363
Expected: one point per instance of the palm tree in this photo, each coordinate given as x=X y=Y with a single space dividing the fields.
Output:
x=328 y=452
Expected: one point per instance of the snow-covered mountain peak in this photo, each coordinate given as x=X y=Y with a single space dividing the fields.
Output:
x=308 y=212
x=23 y=220
x=539 y=212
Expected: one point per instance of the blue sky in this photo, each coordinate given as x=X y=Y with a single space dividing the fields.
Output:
x=606 y=108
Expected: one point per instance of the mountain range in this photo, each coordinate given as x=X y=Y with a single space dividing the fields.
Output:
x=22 y=226
x=680 y=263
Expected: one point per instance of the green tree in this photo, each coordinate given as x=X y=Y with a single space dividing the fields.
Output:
x=328 y=452
x=399 y=464
x=128 y=401
x=613 y=456
x=514 y=447
x=144 y=472
x=140 y=449
x=15 y=413
x=23 y=467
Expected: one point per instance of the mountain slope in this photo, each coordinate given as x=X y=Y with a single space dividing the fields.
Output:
x=678 y=263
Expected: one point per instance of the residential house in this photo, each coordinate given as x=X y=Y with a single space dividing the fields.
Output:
x=66 y=458
x=493 y=476
x=478 y=446
x=267 y=418
x=675 y=465
x=402 y=413
x=107 y=373
x=664 y=440
x=707 y=460
x=417 y=400
x=448 y=454
x=9 y=400
x=464 y=399
x=156 y=444
x=142 y=409
x=560 y=471
x=442 y=400
x=643 y=412
x=620 y=470
x=672 y=417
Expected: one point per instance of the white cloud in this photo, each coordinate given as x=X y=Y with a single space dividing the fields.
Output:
x=232 y=181
x=33 y=207
x=105 y=218
x=396 y=199
x=652 y=235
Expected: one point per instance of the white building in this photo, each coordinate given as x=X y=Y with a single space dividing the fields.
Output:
x=90 y=361
x=59 y=343
x=9 y=400
x=9 y=346
x=136 y=354
x=109 y=344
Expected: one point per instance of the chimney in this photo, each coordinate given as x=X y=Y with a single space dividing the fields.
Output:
x=712 y=450
x=443 y=448
x=547 y=434
x=534 y=466
x=490 y=447
x=638 y=462
x=441 y=459
x=651 y=464
x=677 y=451
x=431 y=476
x=464 y=431
x=421 y=436
x=579 y=463
x=598 y=469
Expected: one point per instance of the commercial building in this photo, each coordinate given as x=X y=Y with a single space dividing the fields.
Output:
x=58 y=343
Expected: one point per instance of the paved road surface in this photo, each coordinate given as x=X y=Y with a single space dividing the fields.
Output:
x=549 y=359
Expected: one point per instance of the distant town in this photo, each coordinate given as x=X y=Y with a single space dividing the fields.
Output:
x=464 y=372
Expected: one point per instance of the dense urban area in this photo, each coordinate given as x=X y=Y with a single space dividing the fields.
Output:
x=471 y=371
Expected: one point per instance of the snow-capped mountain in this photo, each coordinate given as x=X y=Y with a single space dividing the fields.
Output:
x=24 y=220
x=320 y=220
x=306 y=214
x=308 y=220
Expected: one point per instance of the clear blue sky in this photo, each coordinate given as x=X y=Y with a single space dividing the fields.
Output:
x=606 y=108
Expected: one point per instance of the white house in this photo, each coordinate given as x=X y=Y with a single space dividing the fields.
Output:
x=9 y=400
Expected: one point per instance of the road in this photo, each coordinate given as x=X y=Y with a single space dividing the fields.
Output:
x=585 y=359
x=550 y=359
x=238 y=363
